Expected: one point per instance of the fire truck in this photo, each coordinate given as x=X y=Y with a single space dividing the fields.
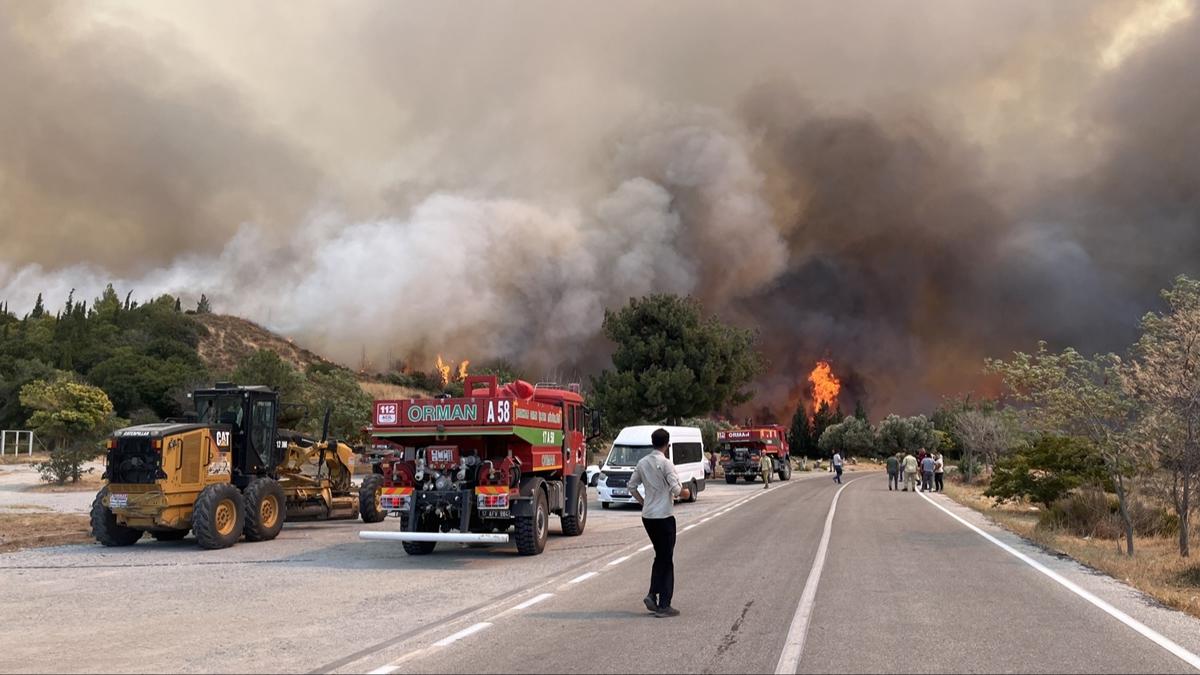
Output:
x=490 y=467
x=741 y=449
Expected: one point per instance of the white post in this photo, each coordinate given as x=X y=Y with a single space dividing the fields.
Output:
x=3 y=441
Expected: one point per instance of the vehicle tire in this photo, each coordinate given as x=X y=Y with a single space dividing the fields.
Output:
x=572 y=526
x=691 y=492
x=418 y=547
x=105 y=527
x=266 y=509
x=606 y=505
x=370 y=499
x=786 y=472
x=730 y=479
x=750 y=478
x=533 y=530
x=219 y=516
x=169 y=535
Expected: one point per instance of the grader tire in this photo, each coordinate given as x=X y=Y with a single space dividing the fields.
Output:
x=370 y=503
x=532 y=531
x=219 y=516
x=105 y=527
x=266 y=509
x=169 y=535
x=572 y=526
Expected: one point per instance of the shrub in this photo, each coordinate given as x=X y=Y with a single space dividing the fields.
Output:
x=1045 y=471
x=66 y=463
x=1093 y=513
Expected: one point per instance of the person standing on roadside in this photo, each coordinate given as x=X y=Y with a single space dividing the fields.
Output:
x=939 y=472
x=656 y=474
x=927 y=466
x=893 y=469
x=837 y=467
x=910 y=472
x=765 y=466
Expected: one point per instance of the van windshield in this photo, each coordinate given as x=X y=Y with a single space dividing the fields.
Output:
x=627 y=455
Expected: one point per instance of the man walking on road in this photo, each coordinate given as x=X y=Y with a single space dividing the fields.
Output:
x=837 y=467
x=910 y=472
x=939 y=472
x=765 y=466
x=893 y=469
x=656 y=473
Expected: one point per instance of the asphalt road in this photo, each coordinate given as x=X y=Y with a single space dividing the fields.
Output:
x=903 y=587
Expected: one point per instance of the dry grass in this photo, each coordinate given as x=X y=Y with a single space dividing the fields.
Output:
x=30 y=530
x=22 y=458
x=382 y=390
x=1156 y=568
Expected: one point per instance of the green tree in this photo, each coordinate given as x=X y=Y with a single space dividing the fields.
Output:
x=824 y=417
x=852 y=437
x=338 y=391
x=672 y=362
x=39 y=308
x=203 y=306
x=800 y=434
x=1046 y=470
x=1069 y=394
x=73 y=417
x=906 y=434
x=1165 y=377
x=267 y=368
x=860 y=411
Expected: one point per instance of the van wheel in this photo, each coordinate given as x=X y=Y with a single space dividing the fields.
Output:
x=692 y=492
x=606 y=505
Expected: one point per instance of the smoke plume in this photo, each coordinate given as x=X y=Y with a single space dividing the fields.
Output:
x=899 y=188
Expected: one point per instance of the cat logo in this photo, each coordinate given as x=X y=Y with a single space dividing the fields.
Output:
x=222 y=439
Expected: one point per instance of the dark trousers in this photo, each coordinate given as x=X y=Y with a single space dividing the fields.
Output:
x=662 y=574
x=937 y=481
x=926 y=481
x=893 y=480
x=838 y=470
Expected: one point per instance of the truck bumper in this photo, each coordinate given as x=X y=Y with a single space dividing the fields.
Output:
x=451 y=537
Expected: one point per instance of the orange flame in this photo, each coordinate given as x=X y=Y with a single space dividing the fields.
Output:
x=462 y=370
x=449 y=373
x=825 y=385
x=443 y=370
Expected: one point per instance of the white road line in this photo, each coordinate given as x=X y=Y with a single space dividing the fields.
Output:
x=688 y=527
x=583 y=577
x=534 y=600
x=386 y=670
x=647 y=547
x=469 y=630
x=1147 y=632
x=793 y=647
x=618 y=561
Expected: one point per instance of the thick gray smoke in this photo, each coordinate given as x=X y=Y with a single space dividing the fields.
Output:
x=901 y=188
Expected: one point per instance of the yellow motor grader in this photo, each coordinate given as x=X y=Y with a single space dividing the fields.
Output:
x=229 y=472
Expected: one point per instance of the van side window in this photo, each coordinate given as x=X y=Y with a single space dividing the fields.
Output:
x=687 y=453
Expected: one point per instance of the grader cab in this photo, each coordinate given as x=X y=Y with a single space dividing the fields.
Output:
x=226 y=472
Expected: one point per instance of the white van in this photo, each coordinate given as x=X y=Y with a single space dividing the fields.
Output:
x=633 y=443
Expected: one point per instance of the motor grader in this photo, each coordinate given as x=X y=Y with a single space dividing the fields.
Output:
x=226 y=472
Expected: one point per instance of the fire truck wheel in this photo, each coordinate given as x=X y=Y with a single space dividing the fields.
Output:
x=370 y=499
x=418 y=547
x=105 y=527
x=751 y=477
x=219 y=516
x=265 y=509
x=533 y=530
x=786 y=472
x=572 y=526
x=730 y=479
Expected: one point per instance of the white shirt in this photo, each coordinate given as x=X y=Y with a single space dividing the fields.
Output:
x=657 y=474
x=837 y=459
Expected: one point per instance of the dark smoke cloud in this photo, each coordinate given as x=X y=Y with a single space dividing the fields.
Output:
x=900 y=188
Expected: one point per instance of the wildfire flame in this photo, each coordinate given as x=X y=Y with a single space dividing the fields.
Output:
x=825 y=385
x=448 y=372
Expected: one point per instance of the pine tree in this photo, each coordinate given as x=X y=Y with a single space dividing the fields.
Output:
x=800 y=435
x=177 y=307
x=860 y=411
x=824 y=418
x=38 y=308
x=127 y=298
x=203 y=307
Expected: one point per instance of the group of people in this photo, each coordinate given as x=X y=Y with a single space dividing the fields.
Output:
x=928 y=468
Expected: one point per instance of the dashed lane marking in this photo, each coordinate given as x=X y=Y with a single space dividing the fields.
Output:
x=466 y=632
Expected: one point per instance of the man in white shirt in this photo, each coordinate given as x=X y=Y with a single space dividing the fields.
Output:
x=656 y=474
x=837 y=467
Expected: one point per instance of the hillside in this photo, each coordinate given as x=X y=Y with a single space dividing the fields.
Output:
x=231 y=339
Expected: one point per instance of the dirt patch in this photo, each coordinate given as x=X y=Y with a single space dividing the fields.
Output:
x=1156 y=568
x=32 y=530
x=383 y=390
x=230 y=340
x=11 y=459
x=89 y=482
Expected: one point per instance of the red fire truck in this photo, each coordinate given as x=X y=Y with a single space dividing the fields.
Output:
x=490 y=467
x=741 y=449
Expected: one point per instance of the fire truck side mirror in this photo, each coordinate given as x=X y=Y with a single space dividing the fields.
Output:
x=594 y=424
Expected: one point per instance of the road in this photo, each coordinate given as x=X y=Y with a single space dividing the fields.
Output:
x=903 y=586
